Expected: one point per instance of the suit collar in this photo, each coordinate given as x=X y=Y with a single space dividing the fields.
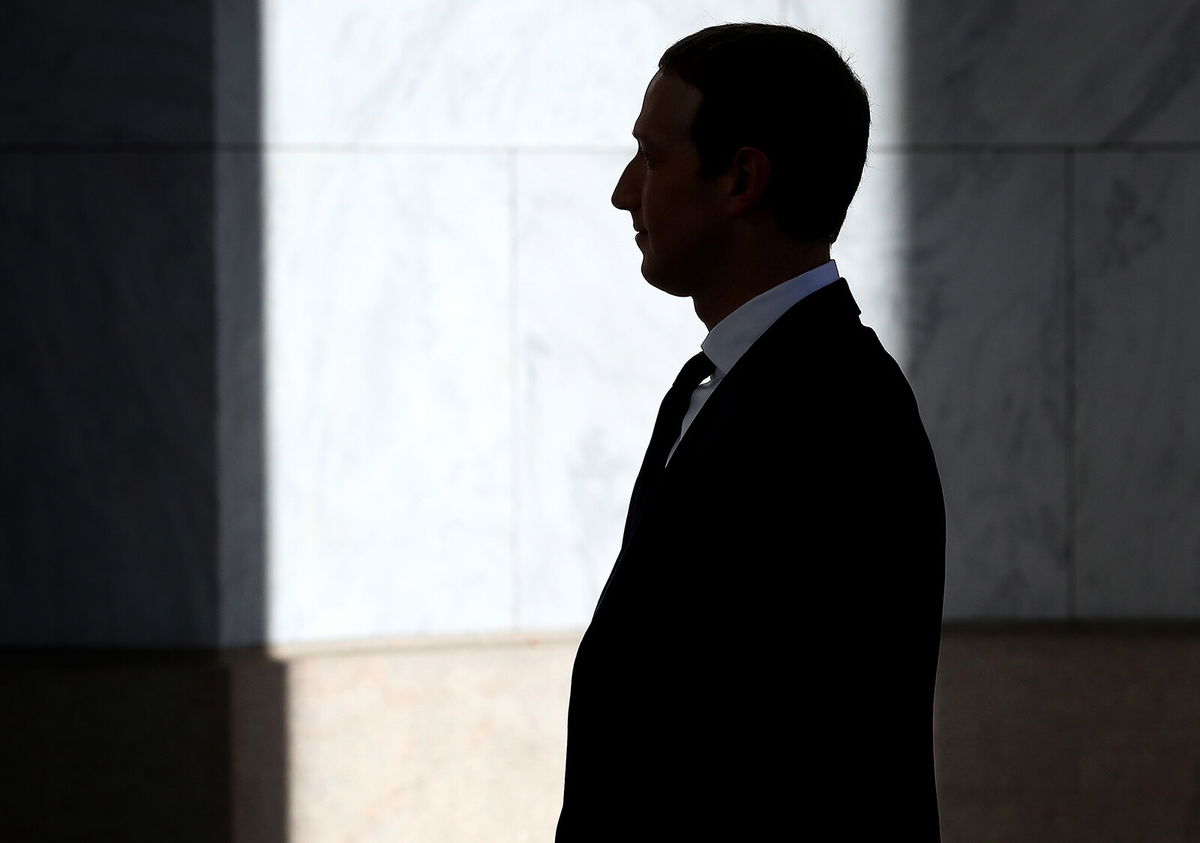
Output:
x=830 y=309
x=733 y=335
x=794 y=341
x=781 y=354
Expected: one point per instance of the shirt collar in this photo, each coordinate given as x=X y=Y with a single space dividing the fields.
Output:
x=732 y=336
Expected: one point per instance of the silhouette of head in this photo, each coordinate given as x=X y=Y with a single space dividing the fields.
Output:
x=743 y=124
x=788 y=93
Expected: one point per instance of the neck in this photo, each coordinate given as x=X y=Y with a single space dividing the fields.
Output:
x=752 y=276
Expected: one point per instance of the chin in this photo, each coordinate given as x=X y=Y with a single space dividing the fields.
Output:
x=659 y=280
x=667 y=285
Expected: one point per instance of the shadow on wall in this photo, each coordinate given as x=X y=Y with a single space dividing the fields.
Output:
x=1047 y=257
x=132 y=475
x=1050 y=263
x=143 y=746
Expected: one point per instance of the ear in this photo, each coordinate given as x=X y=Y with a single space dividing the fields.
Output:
x=751 y=173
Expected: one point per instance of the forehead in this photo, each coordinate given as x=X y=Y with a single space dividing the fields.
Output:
x=668 y=109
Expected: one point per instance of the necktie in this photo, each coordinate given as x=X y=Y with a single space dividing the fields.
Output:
x=666 y=431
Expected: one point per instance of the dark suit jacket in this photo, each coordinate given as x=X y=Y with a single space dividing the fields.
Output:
x=761 y=664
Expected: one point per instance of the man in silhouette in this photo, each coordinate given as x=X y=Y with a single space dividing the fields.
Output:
x=761 y=662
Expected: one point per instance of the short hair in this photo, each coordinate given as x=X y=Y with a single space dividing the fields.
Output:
x=790 y=94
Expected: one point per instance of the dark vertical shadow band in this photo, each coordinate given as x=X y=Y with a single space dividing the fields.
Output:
x=139 y=704
x=257 y=689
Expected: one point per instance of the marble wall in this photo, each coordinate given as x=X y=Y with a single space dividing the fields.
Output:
x=1137 y=534
x=456 y=451
x=131 y=326
x=107 y=329
x=1059 y=379
x=464 y=360
x=333 y=334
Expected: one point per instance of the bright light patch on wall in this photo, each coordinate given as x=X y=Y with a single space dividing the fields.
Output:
x=462 y=359
x=870 y=252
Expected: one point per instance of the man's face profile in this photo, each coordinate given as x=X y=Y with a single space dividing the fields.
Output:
x=676 y=213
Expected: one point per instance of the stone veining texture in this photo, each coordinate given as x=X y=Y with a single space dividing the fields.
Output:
x=388 y=394
x=1138 y=530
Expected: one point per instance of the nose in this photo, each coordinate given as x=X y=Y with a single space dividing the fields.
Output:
x=627 y=192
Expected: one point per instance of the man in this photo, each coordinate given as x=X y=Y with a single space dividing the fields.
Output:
x=761 y=662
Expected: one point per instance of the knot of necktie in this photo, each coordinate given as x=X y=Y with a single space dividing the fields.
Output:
x=694 y=371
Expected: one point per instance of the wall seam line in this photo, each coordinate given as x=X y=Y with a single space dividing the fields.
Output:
x=514 y=393
x=1070 y=385
x=926 y=148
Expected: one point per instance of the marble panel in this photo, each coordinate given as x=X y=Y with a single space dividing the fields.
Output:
x=484 y=72
x=1137 y=531
x=598 y=348
x=107 y=473
x=389 y=367
x=958 y=262
x=77 y=72
x=1052 y=71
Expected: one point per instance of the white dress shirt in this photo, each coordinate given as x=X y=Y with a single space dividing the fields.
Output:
x=729 y=338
